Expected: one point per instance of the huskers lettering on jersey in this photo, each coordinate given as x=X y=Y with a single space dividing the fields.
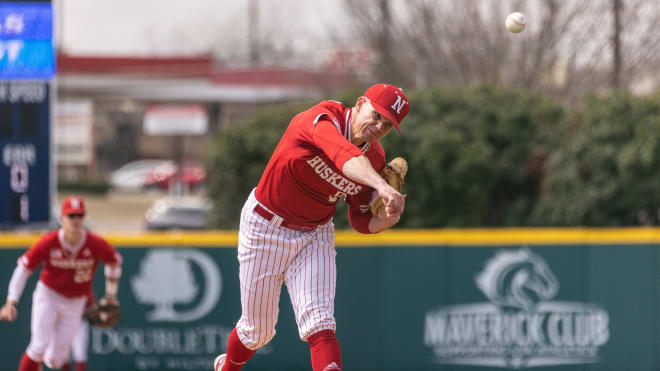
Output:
x=303 y=180
x=337 y=180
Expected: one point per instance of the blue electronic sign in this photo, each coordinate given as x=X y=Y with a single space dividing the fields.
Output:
x=26 y=40
x=27 y=62
x=25 y=191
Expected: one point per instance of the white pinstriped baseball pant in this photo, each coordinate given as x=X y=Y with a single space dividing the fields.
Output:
x=80 y=343
x=55 y=319
x=270 y=255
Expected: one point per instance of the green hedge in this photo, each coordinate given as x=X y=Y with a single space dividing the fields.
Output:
x=605 y=170
x=488 y=157
x=238 y=157
x=96 y=187
x=475 y=156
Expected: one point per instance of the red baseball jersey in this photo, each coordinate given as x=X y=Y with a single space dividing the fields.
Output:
x=303 y=180
x=69 y=269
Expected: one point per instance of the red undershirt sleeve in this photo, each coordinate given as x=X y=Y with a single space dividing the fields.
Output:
x=359 y=220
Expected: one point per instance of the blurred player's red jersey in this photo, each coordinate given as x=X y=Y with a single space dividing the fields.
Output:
x=69 y=269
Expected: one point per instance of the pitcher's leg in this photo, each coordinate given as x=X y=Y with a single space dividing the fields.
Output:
x=264 y=252
x=237 y=355
x=325 y=352
x=261 y=277
x=311 y=281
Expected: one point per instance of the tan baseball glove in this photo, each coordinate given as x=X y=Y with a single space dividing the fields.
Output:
x=104 y=314
x=393 y=173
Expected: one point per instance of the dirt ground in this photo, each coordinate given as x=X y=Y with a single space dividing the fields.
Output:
x=116 y=212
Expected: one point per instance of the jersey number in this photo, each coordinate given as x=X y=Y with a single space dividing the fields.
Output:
x=336 y=197
x=82 y=275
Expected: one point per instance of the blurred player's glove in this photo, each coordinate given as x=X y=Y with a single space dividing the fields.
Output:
x=393 y=173
x=104 y=314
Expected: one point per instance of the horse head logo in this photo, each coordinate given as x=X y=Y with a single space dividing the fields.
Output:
x=517 y=280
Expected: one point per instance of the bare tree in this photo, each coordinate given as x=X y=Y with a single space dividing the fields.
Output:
x=253 y=31
x=640 y=45
x=616 y=44
x=565 y=49
x=257 y=35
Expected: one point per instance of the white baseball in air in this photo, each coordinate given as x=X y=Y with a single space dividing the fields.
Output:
x=516 y=22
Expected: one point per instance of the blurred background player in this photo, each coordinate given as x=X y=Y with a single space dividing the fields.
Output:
x=329 y=152
x=70 y=257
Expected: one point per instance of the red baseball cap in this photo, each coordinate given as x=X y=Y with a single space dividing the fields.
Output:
x=73 y=205
x=389 y=101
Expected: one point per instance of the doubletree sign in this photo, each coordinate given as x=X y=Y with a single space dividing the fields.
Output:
x=26 y=63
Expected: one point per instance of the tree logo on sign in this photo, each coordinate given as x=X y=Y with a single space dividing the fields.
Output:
x=166 y=278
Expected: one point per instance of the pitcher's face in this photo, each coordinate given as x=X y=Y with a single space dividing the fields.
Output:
x=368 y=125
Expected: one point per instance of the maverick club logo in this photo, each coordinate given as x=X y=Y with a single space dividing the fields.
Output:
x=520 y=326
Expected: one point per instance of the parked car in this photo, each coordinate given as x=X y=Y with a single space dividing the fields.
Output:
x=189 y=212
x=192 y=176
x=134 y=175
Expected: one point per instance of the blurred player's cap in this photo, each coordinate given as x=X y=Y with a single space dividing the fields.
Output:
x=73 y=205
x=389 y=101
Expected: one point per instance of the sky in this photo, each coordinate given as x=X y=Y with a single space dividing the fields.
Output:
x=176 y=27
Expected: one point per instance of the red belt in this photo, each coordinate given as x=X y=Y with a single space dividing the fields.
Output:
x=285 y=223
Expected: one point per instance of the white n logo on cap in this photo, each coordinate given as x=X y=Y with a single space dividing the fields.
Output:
x=75 y=203
x=400 y=102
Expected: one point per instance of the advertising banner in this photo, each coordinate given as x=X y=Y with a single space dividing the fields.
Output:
x=408 y=307
x=176 y=119
x=73 y=132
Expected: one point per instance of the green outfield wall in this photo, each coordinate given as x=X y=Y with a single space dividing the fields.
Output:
x=547 y=299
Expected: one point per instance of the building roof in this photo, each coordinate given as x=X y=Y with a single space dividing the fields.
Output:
x=190 y=79
x=145 y=66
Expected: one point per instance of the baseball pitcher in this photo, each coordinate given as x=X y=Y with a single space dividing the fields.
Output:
x=328 y=153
